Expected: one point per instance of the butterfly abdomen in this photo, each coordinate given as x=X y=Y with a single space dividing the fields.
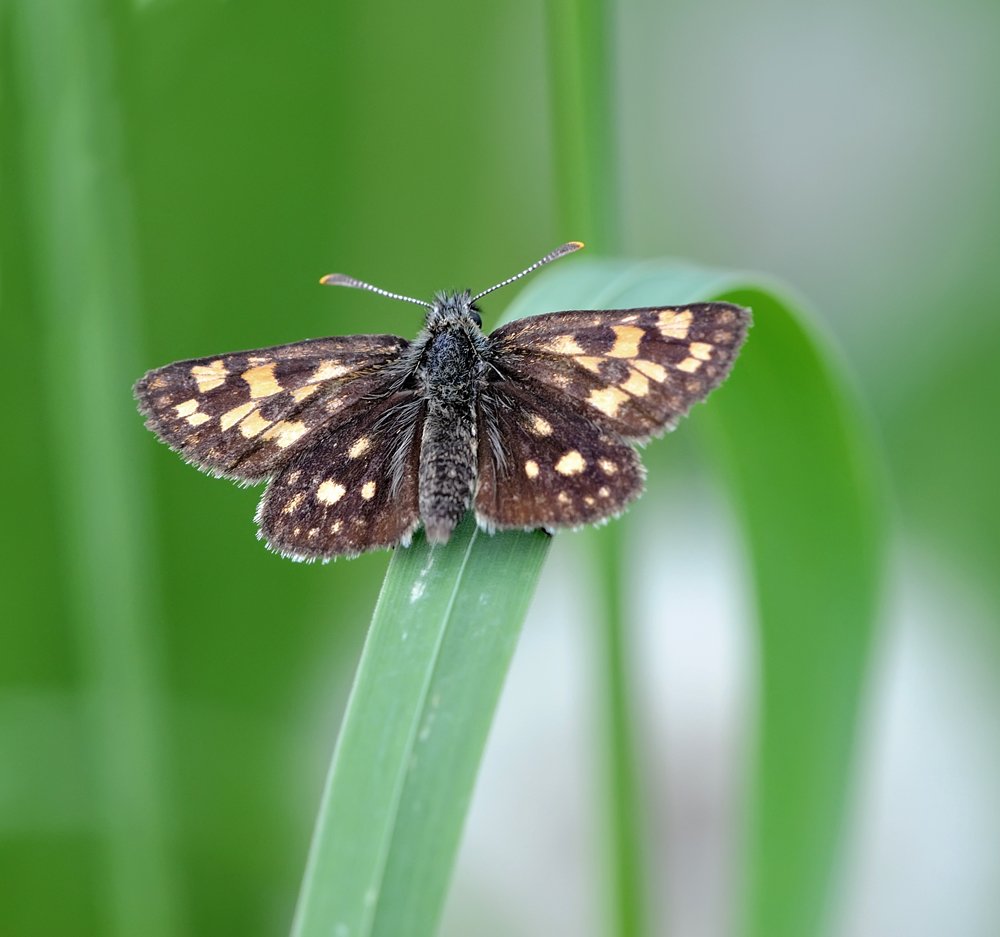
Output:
x=448 y=468
x=449 y=377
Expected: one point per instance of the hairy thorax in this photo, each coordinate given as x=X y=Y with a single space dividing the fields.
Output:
x=450 y=369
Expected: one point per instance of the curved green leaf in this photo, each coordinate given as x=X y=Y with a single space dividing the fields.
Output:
x=804 y=477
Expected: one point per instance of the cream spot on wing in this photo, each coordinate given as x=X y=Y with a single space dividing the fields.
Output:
x=186 y=408
x=285 y=432
x=637 y=385
x=589 y=362
x=725 y=317
x=571 y=463
x=231 y=417
x=254 y=424
x=607 y=466
x=588 y=500
x=701 y=350
x=651 y=369
x=722 y=337
x=604 y=491
x=627 y=338
x=607 y=399
x=690 y=365
x=563 y=345
x=368 y=491
x=674 y=324
x=261 y=381
x=209 y=376
x=330 y=492
x=360 y=447
x=293 y=477
x=631 y=318
x=336 y=526
x=313 y=533
x=563 y=497
x=560 y=380
x=196 y=419
x=540 y=426
x=531 y=468
x=292 y=503
x=299 y=395
x=328 y=370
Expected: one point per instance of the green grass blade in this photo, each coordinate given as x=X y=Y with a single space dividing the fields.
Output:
x=77 y=207
x=580 y=46
x=581 y=43
x=628 y=914
x=441 y=639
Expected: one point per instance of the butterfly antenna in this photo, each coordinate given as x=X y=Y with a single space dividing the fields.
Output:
x=340 y=279
x=548 y=258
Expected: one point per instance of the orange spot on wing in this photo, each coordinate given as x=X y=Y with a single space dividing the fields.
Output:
x=261 y=381
x=627 y=338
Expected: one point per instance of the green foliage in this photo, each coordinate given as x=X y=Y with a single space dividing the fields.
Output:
x=174 y=178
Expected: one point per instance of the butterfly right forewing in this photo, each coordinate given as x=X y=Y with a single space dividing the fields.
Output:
x=635 y=372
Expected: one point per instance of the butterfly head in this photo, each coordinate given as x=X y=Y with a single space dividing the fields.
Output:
x=453 y=309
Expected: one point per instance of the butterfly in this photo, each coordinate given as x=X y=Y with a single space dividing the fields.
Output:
x=363 y=439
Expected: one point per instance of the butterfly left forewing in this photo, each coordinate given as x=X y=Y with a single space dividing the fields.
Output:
x=543 y=463
x=244 y=414
x=632 y=371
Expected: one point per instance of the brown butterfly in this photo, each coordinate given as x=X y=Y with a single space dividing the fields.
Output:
x=364 y=438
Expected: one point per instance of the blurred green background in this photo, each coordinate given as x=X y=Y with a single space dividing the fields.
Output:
x=175 y=175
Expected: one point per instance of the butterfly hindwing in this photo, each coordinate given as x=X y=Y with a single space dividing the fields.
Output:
x=543 y=463
x=634 y=371
x=354 y=488
x=244 y=414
